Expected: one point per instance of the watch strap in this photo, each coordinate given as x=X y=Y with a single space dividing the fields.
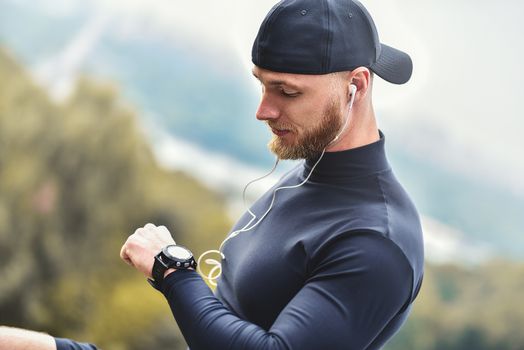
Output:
x=159 y=268
x=163 y=262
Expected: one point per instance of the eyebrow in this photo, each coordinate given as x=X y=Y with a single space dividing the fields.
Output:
x=278 y=82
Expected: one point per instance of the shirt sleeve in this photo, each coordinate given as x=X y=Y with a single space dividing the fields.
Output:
x=68 y=344
x=357 y=284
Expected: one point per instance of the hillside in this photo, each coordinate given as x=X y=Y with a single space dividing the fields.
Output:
x=203 y=97
x=75 y=180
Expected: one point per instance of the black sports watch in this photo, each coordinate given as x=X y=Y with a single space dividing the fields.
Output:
x=172 y=256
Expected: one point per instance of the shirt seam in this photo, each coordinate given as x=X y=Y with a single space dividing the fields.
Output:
x=388 y=221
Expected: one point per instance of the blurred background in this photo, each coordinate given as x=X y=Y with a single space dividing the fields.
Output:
x=117 y=113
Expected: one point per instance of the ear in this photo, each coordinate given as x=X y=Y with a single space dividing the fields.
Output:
x=361 y=77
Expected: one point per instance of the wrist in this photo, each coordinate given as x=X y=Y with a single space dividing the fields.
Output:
x=171 y=258
x=171 y=270
x=168 y=272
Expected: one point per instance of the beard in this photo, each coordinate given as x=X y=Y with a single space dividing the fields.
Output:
x=311 y=143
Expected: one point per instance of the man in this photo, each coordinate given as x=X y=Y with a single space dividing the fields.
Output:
x=331 y=257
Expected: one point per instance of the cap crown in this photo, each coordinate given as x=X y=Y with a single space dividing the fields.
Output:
x=324 y=36
x=316 y=37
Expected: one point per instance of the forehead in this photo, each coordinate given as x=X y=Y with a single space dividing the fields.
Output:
x=268 y=77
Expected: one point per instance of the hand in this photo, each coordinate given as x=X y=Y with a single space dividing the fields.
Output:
x=141 y=247
x=20 y=339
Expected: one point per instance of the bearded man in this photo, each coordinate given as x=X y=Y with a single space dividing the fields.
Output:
x=331 y=257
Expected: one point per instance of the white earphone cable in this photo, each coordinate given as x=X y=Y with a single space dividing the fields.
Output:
x=216 y=270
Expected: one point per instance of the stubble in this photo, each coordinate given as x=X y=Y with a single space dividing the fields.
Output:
x=311 y=143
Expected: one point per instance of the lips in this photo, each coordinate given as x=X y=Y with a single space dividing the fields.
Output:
x=279 y=132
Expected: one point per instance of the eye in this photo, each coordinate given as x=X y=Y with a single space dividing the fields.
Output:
x=288 y=93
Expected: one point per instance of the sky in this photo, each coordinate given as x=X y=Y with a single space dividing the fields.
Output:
x=461 y=109
x=464 y=98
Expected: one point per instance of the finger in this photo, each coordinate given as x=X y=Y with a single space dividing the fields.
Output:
x=123 y=252
x=125 y=256
x=128 y=246
x=149 y=226
x=164 y=232
x=129 y=262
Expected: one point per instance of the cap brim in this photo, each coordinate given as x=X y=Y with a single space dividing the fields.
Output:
x=393 y=65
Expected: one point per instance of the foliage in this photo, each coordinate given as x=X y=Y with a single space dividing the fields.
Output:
x=76 y=179
x=459 y=308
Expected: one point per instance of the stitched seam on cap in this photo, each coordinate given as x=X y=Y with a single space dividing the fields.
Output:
x=270 y=18
x=368 y=18
x=326 y=60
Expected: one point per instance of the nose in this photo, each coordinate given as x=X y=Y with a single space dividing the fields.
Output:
x=267 y=110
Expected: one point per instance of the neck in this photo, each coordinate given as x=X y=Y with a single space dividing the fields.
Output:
x=361 y=130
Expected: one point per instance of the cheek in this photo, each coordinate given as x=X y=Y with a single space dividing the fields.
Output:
x=303 y=115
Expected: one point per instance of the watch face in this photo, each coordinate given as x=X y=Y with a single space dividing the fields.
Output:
x=178 y=252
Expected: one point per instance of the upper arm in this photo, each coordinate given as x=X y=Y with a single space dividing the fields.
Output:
x=358 y=283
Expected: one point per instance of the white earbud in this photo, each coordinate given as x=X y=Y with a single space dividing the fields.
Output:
x=353 y=89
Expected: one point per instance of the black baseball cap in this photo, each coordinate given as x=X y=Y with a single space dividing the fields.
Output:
x=325 y=36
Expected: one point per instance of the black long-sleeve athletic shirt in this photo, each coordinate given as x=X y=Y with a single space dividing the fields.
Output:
x=336 y=264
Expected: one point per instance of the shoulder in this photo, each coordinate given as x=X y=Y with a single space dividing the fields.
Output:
x=366 y=255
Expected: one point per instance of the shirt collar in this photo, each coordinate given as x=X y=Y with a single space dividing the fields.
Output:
x=360 y=161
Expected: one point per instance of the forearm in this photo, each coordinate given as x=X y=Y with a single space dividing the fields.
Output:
x=206 y=323
x=20 y=339
x=329 y=312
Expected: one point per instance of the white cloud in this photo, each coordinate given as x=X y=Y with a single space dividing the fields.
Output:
x=446 y=244
x=217 y=171
x=467 y=77
x=59 y=72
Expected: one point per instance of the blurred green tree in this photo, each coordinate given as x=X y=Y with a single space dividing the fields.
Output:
x=467 y=308
x=76 y=179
